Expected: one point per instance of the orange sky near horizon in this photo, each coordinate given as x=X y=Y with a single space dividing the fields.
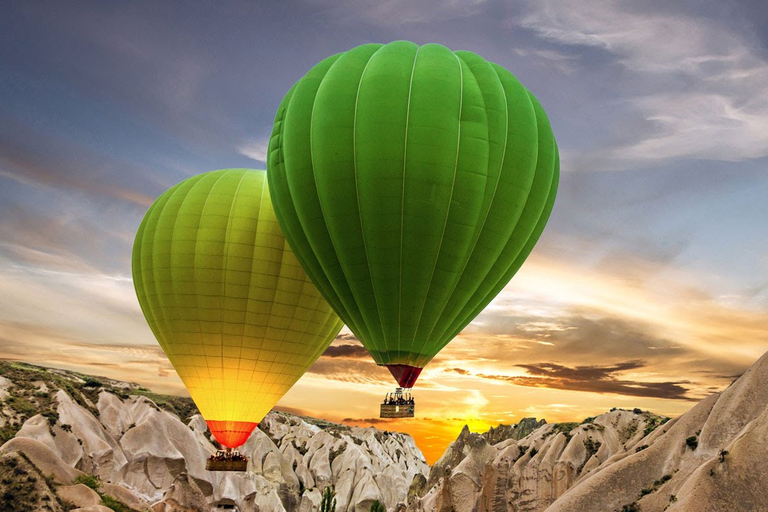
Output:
x=560 y=343
x=648 y=288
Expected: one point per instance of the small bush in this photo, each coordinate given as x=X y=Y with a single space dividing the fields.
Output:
x=592 y=447
x=378 y=507
x=328 y=501
x=88 y=480
x=90 y=382
x=692 y=442
x=116 y=505
x=723 y=455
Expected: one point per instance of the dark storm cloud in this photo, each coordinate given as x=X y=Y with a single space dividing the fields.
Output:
x=347 y=336
x=580 y=372
x=346 y=351
x=594 y=379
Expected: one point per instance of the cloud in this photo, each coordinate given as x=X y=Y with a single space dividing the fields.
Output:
x=594 y=379
x=347 y=352
x=460 y=371
x=255 y=150
x=354 y=371
x=394 y=13
x=72 y=167
x=696 y=84
x=565 y=63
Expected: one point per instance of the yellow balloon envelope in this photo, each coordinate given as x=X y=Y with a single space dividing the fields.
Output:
x=227 y=300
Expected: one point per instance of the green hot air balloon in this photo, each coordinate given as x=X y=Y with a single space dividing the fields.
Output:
x=232 y=308
x=411 y=182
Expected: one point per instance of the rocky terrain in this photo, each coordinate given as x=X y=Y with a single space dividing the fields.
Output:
x=710 y=459
x=93 y=444
x=74 y=442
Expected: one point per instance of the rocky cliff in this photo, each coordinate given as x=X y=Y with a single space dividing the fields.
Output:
x=71 y=439
x=92 y=442
x=710 y=459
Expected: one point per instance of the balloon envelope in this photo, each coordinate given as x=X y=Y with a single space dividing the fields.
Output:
x=226 y=298
x=412 y=182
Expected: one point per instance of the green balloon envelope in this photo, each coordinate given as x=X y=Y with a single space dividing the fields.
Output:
x=411 y=182
x=226 y=299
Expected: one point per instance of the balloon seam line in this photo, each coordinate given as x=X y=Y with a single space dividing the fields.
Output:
x=402 y=204
x=493 y=196
x=225 y=268
x=357 y=195
x=194 y=264
x=450 y=200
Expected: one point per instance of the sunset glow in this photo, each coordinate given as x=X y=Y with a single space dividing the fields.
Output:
x=648 y=288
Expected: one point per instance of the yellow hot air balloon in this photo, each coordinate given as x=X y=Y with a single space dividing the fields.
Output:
x=226 y=298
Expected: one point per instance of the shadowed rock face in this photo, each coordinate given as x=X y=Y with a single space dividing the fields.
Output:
x=710 y=459
x=517 y=432
x=148 y=458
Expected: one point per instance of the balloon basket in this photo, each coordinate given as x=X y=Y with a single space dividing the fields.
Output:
x=227 y=461
x=399 y=404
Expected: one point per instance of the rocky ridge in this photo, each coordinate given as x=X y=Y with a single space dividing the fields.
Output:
x=78 y=439
x=710 y=459
x=101 y=442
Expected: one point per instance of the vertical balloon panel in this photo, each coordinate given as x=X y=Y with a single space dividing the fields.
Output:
x=226 y=298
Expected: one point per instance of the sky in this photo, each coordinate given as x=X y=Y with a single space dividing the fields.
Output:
x=649 y=287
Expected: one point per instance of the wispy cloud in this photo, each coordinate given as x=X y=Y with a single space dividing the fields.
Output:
x=255 y=150
x=347 y=352
x=696 y=84
x=594 y=379
x=398 y=12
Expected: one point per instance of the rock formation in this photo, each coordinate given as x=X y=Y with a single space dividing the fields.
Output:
x=78 y=441
x=709 y=459
x=131 y=446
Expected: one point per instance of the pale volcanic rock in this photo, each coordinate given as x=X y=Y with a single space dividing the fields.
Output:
x=262 y=496
x=310 y=500
x=4 y=385
x=528 y=473
x=101 y=453
x=118 y=416
x=79 y=495
x=184 y=495
x=92 y=508
x=125 y=495
x=45 y=459
x=710 y=459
